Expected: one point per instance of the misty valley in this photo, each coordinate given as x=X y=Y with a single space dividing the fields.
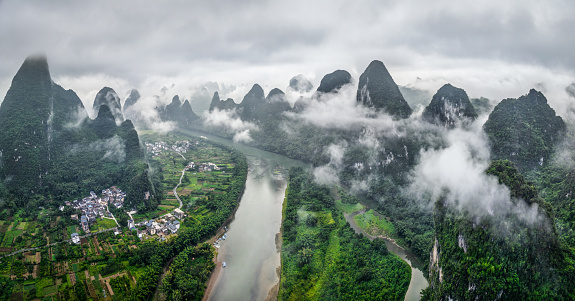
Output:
x=353 y=188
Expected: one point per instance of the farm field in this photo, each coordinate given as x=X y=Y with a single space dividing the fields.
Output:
x=106 y=266
x=55 y=273
x=198 y=182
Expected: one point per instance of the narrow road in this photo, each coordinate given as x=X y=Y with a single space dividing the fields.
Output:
x=113 y=217
x=181 y=177
x=176 y=188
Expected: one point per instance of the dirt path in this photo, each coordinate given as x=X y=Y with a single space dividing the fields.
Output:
x=107 y=281
x=97 y=245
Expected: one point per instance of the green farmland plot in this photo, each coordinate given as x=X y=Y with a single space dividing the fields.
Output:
x=72 y=229
x=50 y=290
x=9 y=237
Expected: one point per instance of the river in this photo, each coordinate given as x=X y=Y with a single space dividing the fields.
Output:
x=250 y=250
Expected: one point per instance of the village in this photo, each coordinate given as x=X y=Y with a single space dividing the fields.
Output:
x=161 y=227
x=158 y=147
x=94 y=206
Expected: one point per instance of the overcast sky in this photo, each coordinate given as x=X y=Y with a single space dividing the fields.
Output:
x=496 y=49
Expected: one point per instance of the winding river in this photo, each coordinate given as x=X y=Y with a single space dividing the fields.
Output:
x=251 y=249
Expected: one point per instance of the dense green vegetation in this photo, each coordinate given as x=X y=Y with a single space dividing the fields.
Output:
x=55 y=155
x=65 y=271
x=196 y=186
x=383 y=169
x=501 y=256
x=524 y=130
x=188 y=273
x=323 y=258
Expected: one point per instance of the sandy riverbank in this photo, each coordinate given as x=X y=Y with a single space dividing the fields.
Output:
x=213 y=279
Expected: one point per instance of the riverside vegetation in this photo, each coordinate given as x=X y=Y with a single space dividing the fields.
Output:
x=323 y=258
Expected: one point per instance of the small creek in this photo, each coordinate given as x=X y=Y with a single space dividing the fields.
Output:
x=418 y=281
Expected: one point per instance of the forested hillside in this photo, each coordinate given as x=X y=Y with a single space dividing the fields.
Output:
x=524 y=130
x=507 y=255
x=50 y=149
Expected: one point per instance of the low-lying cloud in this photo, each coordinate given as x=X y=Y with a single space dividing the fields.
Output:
x=329 y=174
x=79 y=115
x=231 y=123
x=114 y=149
x=456 y=176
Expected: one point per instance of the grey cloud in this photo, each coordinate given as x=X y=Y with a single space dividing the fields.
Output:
x=571 y=90
x=114 y=148
x=456 y=176
x=231 y=123
x=244 y=42
x=526 y=32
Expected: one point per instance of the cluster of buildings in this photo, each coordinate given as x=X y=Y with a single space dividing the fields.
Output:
x=203 y=167
x=207 y=167
x=161 y=227
x=157 y=148
x=95 y=206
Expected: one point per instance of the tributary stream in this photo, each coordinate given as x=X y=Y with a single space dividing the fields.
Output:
x=250 y=250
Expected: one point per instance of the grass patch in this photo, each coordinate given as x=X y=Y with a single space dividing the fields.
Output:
x=170 y=202
x=75 y=268
x=9 y=237
x=22 y=225
x=72 y=229
x=30 y=226
x=136 y=272
x=28 y=287
x=146 y=216
x=93 y=270
x=105 y=223
x=374 y=225
x=31 y=258
x=348 y=208
x=44 y=283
